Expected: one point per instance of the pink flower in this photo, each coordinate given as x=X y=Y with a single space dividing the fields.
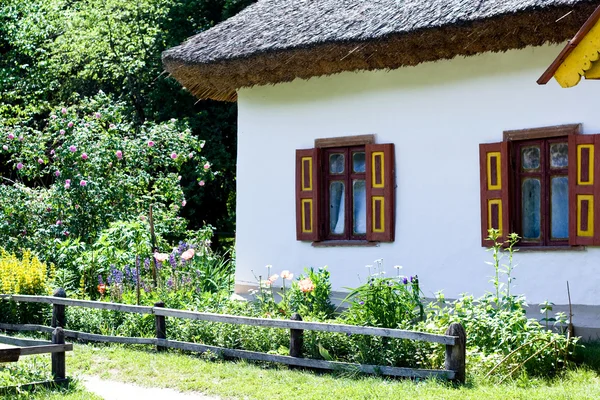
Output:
x=5 y=147
x=150 y=143
x=273 y=278
x=64 y=110
x=57 y=173
x=201 y=183
x=191 y=155
x=59 y=222
x=179 y=178
x=202 y=145
x=72 y=148
x=160 y=257
x=40 y=161
x=86 y=125
x=20 y=166
x=62 y=132
x=111 y=126
x=53 y=116
x=207 y=165
x=110 y=164
x=68 y=181
x=20 y=138
x=83 y=183
x=173 y=155
x=306 y=285
x=11 y=136
x=77 y=206
x=84 y=156
x=70 y=124
x=183 y=203
x=97 y=115
x=188 y=254
x=286 y=275
x=67 y=185
x=66 y=233
x=52 y=152
x=119 y=154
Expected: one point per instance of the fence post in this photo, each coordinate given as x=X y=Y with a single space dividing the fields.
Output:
x=296 y=338
x=58 y=359
x=456 y=355
x=161 y=326
x=58 y=310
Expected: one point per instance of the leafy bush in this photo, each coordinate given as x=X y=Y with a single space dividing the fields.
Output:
x=383 y=301
x=27 y=275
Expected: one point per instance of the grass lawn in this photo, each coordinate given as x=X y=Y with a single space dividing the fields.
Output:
x=237 y=379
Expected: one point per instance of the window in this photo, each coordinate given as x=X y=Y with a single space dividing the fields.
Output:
x=542 y=184
x=345 y=191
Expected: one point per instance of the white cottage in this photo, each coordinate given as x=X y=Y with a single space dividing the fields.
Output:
x=403 y=130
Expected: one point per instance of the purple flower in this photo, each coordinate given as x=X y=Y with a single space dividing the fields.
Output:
x=412 y=278
x=170 y=283
x=172 y=261
x=70 y=124
x=72 y=148
x=20 y=166
x=361 y=303
x=97 y=115
x=100 y=281
x=404 y=280
x=57 y=173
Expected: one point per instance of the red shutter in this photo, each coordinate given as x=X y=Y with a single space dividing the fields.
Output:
x=381 y=185
x=495 y=204
x=307 y=194
x=584 y=190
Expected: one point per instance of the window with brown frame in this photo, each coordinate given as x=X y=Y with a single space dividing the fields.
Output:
x=543 y=184
x=345 y=191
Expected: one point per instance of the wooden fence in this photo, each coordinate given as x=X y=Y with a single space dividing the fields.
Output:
x=454 y=339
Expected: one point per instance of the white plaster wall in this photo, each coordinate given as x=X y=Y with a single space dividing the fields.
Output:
x=436 y=114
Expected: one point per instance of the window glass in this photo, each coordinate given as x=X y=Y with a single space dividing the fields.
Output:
x=531 y=208
x=559 y=155
x=530 y=158
x=358 y=162
x=337 y=209
x=336 y=163
x=359 y=206
x=560 y=207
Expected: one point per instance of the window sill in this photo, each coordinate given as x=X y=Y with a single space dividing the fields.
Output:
x=345 y=243
x=533 y=249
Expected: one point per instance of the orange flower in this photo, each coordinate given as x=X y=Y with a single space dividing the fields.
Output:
x=306 y=285
x=102 y=288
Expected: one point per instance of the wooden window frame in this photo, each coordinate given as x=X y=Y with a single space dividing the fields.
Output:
x=343 y=144
x=543 y=136
x=348 y=176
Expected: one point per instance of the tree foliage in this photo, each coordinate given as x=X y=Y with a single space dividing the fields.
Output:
x=56 y=53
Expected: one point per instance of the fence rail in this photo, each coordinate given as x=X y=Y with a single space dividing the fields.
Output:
x=454 y=338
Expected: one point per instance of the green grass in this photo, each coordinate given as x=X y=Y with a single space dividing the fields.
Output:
x=238 y=379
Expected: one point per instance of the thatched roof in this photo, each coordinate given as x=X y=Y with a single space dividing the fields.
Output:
x=275 y=41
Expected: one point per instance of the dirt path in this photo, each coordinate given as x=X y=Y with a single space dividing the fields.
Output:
x=112 y=390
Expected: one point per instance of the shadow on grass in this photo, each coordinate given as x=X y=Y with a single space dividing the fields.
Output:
x=588 y=355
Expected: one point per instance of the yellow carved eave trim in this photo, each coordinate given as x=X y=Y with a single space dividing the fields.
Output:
x=581 y=60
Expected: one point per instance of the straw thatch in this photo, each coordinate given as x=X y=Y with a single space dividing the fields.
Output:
x=275 y=41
